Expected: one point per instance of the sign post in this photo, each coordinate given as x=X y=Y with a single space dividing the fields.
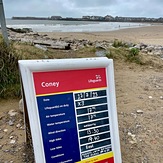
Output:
x=3 y=23
x=72 y=110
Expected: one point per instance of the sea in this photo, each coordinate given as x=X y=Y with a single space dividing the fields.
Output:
x=70 y=26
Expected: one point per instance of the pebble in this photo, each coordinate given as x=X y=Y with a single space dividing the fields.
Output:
x=12 y=141
x=139 y=111
x=133 y=114
x=11 y=123
x=129 y=133
x=138 y=126
x=11 y=137
x=133 y=137
x=161 y=97
x=133 y=142
x=150 y=97
x=12 y=113
x=5 y=130
x=18 y=125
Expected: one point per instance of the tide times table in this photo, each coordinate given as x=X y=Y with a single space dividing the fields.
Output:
x=72 y=111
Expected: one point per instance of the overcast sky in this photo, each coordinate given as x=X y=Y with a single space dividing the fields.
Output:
x=79 y=8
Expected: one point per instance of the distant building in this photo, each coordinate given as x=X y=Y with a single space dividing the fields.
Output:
x=56 y=17
x=86 y=17
x=97 y=18
x=109 y=17
x=93 y=18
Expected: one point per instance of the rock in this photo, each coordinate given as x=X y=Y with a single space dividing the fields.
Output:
x=129 y=44
x=133 y=137
x=143 y=46
x=43 y=42
x=12 y=113
x=18 y=125
x=160 y=48
x=133 y=142
x=12 y=141
x=5 y=130
x=11 y=123
x=24 y=154
x=19 y=30
x=133 y=114
x=100 y=47
x=42 y=47
x=161 y=97
x=138 y=46
x=61 y=46
x=26 y=40
x=101 y=53
x=150 y=97
x=138 y=126
x=129 y=133
x=150 y=48
x=139 y=111
x=144 y=51
x=157 y=53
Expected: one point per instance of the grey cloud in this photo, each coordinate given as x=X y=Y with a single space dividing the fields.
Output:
x=93 y=3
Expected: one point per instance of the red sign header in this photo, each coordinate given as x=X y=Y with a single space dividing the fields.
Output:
x=69 y=80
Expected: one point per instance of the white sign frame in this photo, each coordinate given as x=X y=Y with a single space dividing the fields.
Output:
x=27 y=67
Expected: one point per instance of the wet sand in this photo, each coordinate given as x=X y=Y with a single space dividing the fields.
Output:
x=149 y=35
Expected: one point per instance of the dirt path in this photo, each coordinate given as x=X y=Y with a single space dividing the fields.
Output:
x=140 y=111
x=139 y=93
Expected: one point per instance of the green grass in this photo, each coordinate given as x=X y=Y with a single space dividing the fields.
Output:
x=118 y=44
x=9 y=56
x=125 y=54
x=9 y=74
x=134 y=56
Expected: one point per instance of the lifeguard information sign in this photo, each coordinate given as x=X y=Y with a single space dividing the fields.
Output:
x=72 y=110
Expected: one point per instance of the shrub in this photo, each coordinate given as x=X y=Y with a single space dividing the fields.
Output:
x=109 y=54
x=134 y=52
x=9 y=74
x=118 y=44
x=133 y=56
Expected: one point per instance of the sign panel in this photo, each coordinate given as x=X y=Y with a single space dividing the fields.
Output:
x=73 y=110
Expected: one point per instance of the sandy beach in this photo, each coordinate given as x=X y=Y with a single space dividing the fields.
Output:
x=148 y=35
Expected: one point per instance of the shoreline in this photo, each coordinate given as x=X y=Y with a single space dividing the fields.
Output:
x=148 y=35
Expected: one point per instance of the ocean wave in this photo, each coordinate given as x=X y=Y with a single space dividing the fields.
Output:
x=71 y=26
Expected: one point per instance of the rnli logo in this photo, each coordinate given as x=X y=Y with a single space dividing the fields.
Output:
x=97 y=79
